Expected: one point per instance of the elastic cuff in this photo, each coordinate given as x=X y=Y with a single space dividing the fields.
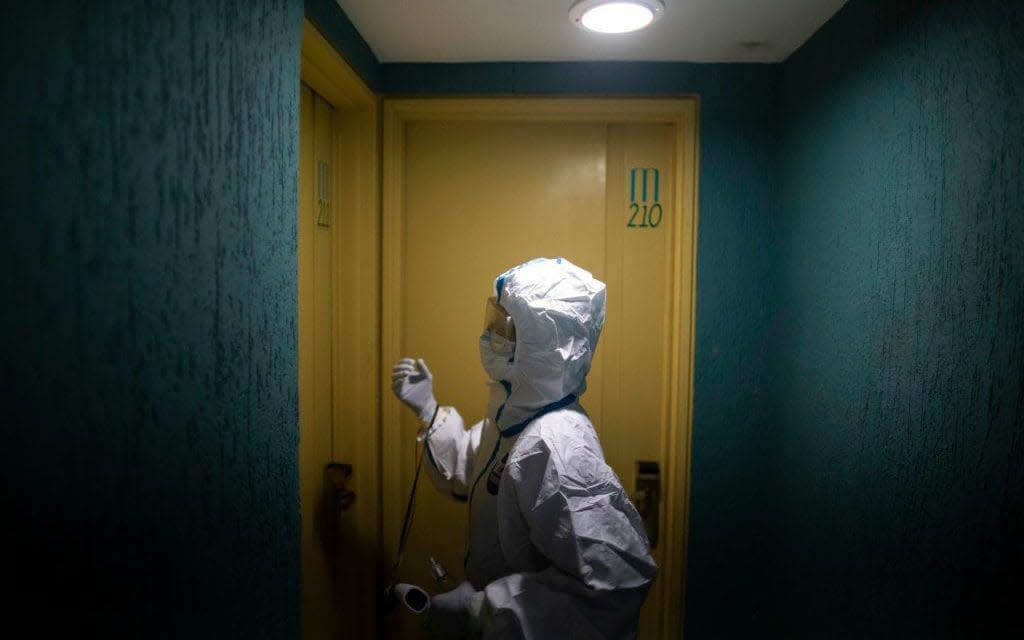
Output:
x=429 y=411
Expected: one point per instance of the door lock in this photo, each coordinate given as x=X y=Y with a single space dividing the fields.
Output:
x=648 y=496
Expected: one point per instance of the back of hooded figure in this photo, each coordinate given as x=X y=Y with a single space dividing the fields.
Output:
x=556 y=549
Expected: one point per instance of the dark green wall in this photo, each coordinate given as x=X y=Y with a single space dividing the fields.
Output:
x=728 y=539
x=148 y=315
x=898 y=352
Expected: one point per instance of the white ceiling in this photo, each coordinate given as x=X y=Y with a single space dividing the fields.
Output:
x=540 y=30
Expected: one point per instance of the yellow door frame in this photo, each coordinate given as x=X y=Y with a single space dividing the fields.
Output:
x=680 y=112
x=355 y=229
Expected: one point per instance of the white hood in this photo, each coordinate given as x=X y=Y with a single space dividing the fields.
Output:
x=558 y=311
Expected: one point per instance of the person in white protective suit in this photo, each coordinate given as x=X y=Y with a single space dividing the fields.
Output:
x=556 y=548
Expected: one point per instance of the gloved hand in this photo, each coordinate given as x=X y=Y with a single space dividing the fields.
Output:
x=412 y=384
x=455 y=613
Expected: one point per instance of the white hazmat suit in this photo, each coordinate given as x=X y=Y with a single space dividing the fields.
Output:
x=556 y=548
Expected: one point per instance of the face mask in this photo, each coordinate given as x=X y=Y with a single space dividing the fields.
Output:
x=496 y=354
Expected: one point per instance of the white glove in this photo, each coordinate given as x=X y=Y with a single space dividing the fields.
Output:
x=455 y=613
x=412 y=383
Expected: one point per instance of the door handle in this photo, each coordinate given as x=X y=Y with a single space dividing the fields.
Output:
x=648 y=496
x=335 y=499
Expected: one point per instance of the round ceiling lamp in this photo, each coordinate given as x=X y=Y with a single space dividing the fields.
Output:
x=615 y=16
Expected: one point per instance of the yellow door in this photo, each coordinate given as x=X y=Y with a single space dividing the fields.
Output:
x=338 y=544
x=316 y=342
x=339 y=348
x=472 y=188
x=315 y=346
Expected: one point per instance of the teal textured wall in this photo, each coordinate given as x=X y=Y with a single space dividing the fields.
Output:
x=729 y=485
x=898 y=261
x=148 y=315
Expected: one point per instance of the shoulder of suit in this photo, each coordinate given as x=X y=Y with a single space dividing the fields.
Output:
x=558 y=430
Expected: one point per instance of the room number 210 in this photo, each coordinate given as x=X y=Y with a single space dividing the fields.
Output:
x=649 y=216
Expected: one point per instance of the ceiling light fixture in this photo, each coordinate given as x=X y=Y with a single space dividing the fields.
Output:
x=615 y=16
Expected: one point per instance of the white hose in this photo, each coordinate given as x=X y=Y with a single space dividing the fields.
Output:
x=415 y=599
